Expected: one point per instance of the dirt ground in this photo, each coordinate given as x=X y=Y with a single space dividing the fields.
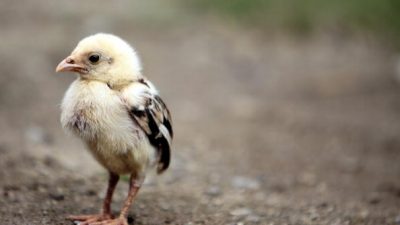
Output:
x=270 y=129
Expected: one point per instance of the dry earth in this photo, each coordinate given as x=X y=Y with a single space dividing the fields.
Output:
x=269 y=129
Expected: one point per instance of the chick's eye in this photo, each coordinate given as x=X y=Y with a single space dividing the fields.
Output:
x=94 y=58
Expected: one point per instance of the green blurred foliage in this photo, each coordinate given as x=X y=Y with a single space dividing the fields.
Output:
x=381 y=16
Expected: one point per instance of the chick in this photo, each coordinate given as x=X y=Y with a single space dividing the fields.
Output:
x=118 y=114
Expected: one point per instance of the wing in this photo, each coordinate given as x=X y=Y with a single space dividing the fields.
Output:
x=152 y=115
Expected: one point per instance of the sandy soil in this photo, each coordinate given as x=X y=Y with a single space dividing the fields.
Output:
x=269 y=129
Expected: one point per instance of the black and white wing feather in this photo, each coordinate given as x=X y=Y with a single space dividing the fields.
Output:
x=153 y=116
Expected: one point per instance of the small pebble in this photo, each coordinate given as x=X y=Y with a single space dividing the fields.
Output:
x=253 y=218
x=364 y=213
x=213 y=191
x=91 y=192
x=57 y=197
x=240 y=212
x=374 y=200
x=164 y=206
x=323 y=205
x=307 y=179
x=245 y=183
x=314 y=216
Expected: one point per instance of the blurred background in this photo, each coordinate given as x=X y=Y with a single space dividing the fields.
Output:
x=285 y=111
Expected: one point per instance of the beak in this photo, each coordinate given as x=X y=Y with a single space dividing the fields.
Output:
x=69 y=65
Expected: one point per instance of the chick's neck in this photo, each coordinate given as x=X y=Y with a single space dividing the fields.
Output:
x=116 y=85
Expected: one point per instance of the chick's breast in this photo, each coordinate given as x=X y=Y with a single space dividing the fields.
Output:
x=100 y=117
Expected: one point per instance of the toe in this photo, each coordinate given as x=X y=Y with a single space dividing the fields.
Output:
x=119 y=221
x=104 y=222
x=89 y=219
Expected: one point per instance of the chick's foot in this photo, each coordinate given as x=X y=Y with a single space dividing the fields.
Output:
x=90 y=219
x=118 y=221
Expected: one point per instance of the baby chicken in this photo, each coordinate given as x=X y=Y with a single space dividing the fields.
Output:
x=118 y=114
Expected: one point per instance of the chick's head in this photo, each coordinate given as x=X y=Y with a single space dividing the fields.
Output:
x=102 y=57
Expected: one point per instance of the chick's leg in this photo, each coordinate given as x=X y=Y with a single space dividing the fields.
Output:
x=112 y=183
x=106 y=211
x=134 y=186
